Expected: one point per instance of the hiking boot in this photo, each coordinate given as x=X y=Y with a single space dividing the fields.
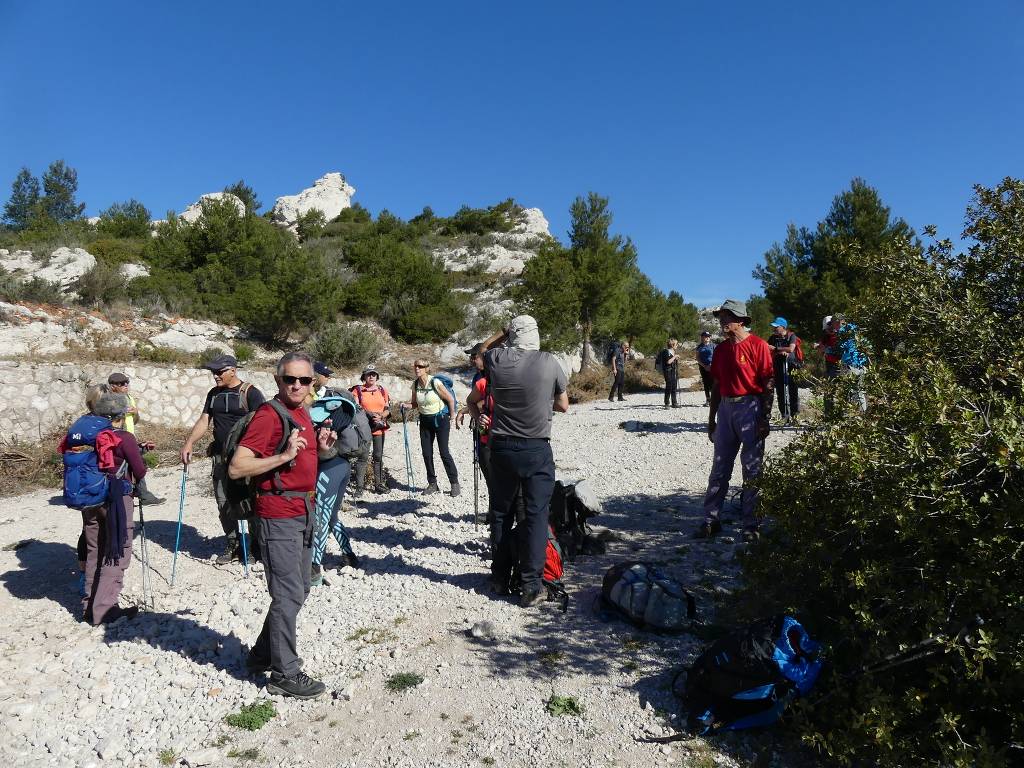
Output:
x=117 y=612
x=316 y=575
x=432 y=488
x=455 y=490
x=302 y=686
x=708 y=530
x=500 y=587
x=350 y=560
x=358 y=492
x=381 y=488
x=232 y=551
x=150 y=499
x=750 y=535
x=530 y=599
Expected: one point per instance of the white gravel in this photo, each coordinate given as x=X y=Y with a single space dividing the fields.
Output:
x=71 y=695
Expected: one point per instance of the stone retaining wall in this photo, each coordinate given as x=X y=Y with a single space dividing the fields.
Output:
x=37 y=398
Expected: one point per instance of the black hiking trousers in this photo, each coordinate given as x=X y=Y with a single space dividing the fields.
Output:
x=618 y=379
x=671 y=384
x=428 y=432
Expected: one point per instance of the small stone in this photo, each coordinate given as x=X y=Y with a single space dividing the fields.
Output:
x=666 y=749
x=208 y=756
x=484 y=630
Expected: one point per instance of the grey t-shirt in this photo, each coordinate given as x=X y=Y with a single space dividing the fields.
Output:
x=524 y=384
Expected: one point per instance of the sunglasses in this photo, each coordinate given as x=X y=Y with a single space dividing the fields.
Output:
x=421 y=366
x=303 y=380
x=221 y=372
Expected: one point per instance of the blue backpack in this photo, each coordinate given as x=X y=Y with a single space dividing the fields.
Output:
x=85 y=482
x=746 y=679
x=450 y=386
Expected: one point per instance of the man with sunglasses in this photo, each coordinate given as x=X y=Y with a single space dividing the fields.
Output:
x=285 y=483
x=228 y=401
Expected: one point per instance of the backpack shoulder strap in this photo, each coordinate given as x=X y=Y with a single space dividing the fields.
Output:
x=243 y=396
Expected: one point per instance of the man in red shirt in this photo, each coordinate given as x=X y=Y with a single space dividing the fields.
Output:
x=741 y=405
x=284 y=509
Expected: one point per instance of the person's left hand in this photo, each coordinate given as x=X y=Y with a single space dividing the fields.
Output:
x=326 y=438
x=763 y=428
x=149 y=446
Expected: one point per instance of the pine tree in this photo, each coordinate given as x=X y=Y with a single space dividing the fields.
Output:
x=60 y=184
x=24 y=196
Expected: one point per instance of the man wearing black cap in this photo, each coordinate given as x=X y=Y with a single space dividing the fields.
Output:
x=321 y=378
x=228 y=401
x=118 y=384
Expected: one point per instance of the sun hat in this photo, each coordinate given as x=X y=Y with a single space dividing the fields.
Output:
x=738 y=308
x=367 y=371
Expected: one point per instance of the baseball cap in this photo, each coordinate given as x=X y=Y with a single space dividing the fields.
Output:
x=780 y=322
x=322 y=369
x=705 y=333
x=222 y=362
x=117 y=378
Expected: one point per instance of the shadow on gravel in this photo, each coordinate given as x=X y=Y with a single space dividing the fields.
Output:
x=180 y=634
x=163 y=533
x=642 y=427
x=49 y=571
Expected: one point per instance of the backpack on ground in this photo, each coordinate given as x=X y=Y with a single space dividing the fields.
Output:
x=746 y=679
x=798 y=352
x=241 y=493
x=554 y=569
x=88 y=459
x=572 y=505
x=450 y=386
x=647 y=597
x=354 y=440
x=375 y=423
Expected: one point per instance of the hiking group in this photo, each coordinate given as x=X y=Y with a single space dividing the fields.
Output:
x=280 y=467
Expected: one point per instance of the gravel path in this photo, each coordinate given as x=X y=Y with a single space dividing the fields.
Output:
x=71 y=695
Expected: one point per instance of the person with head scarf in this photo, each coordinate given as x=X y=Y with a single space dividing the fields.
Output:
x=527 y=386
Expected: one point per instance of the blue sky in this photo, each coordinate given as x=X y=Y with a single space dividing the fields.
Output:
x=709 y=125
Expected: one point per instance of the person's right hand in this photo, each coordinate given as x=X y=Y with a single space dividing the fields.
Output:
x=485 y=421
x=711 y=430
x=186 y=454
x=296 y=442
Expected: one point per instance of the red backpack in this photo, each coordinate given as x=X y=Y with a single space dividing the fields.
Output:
x=798 y=352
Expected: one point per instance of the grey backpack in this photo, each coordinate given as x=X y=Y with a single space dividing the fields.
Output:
x=647 y=597
x=353 y=441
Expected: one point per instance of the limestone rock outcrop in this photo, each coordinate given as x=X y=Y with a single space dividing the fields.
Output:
x=330 y=194
x=195 y=211
x=506 y=253
x=63 y=268
x=133 y=271
x=194 y=336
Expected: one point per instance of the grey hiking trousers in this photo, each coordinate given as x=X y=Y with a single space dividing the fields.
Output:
x=736 y=432
x=287 y=557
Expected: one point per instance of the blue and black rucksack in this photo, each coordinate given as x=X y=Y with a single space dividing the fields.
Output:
x=747 y=678
x=450 y=386
x=85 y=481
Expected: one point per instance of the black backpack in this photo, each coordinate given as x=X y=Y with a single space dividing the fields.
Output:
x=611 y=352
x=568 y=516
x=241 y=494
x=746 y=679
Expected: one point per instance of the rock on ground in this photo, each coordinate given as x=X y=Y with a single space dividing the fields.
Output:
x=74 y=695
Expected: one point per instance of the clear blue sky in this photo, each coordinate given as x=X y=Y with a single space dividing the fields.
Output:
x=709 y=125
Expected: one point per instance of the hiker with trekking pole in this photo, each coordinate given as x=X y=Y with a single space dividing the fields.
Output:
x=434 y=397
x=102 y=464
x=786 y=357
x=481 y=450
x=226 y=403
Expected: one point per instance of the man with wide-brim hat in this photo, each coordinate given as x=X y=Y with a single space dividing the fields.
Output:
x=741 y=405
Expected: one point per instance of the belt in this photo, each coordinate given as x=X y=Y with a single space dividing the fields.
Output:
x=738 y=399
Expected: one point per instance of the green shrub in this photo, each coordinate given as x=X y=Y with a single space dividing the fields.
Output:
x=208 y=354
x=558 y=706
x=403 y=681
x=102 y=284
x=129 y=219
x=116 y=252
x=905 y=522
x=252 y=717
x=34 y=290
x=346 y=344
x=244 y=352
x=310 y=224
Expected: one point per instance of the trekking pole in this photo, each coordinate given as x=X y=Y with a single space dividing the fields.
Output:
x=476 y=479
x=147 y=585
x=410 y=477
x=786 y=415
x=181 y=510
x=243 y=528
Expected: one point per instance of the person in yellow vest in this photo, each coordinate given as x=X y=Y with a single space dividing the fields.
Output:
x=118 y=383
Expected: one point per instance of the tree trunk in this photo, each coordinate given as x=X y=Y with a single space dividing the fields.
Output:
x=586 y=347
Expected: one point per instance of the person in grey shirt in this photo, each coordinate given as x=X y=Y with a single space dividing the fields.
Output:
x=527 y=386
